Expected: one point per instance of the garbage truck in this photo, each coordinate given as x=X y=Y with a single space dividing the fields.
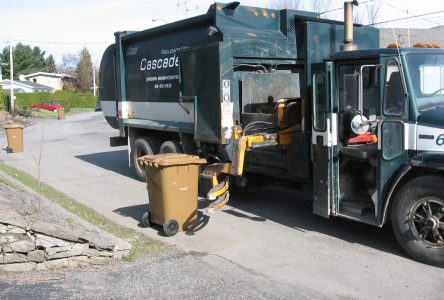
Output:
x=296 y=100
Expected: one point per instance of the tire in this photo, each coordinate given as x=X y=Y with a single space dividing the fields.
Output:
x=141 y=147
x=170 y=227
x=418 y=219
x=172 y=146
x=146 y=219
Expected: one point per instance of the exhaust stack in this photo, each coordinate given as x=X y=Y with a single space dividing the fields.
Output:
x=349 y=45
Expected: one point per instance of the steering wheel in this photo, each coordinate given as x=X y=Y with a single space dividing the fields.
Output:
x=437 y=91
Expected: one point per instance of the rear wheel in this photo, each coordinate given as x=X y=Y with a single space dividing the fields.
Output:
x=418 y=219
x=142 y=146
x=172 y=146
x=146 y=219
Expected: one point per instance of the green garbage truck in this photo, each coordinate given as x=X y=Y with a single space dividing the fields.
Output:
x=294 y=99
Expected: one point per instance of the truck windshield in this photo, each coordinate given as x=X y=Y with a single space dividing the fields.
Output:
x=427 y=77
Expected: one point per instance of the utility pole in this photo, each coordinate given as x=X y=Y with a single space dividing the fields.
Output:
x=94 y=81
x=11 y=101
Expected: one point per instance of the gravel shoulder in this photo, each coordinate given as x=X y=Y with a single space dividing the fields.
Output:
x=173 y=274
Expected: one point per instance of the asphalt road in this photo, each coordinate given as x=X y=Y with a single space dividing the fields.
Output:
x=267 y=230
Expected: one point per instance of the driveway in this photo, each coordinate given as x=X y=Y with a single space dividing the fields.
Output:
x=266 y=230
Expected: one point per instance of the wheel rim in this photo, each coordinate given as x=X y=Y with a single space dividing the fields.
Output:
x=171 y=228
x=427 y=221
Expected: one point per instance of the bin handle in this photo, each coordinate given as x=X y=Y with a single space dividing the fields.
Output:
x=186 y=99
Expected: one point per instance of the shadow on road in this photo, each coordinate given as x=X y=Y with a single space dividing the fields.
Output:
x=136 y=212
x=116 y=161
x=280 y=205
x=294 y=209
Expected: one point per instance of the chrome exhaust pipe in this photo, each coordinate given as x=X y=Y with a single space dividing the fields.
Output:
x=349 y=45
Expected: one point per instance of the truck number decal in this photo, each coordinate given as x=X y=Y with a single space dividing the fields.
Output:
x=440 y=140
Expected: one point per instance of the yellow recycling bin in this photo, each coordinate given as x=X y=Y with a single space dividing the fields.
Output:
x=61 y=113
x=172 y=183
x=14 y=135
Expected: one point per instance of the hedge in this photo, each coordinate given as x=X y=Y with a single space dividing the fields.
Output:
x=66 y=98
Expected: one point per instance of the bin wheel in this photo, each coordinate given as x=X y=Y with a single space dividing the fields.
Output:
x=170 y=227
x=146 y=219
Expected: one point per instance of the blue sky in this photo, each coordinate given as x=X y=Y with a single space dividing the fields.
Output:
x=62 y=27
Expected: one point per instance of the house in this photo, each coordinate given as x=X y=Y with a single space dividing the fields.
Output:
x=25 y=87
x=54 y=80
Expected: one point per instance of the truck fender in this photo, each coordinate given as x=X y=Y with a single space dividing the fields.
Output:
x=414 y=164
x=403 y=171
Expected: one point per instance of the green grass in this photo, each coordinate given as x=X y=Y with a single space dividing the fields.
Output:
x=45 y=114
x=140 y=243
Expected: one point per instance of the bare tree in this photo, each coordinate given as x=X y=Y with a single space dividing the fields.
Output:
x=358 y=16
x=283 y=4
x=320 y=5
x=373 y=11
x=69 y=64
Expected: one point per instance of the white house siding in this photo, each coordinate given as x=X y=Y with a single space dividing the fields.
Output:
x=55 y=82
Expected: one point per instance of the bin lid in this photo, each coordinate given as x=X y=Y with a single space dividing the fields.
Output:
x=10 y=126
x=171 y=159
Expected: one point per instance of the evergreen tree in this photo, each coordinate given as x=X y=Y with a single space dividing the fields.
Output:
x=84 y=72
x=50 y=65
x=27 y=60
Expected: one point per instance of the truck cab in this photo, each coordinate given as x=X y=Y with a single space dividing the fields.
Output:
x=378 y=143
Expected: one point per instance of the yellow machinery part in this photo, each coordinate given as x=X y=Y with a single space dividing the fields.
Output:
x=218 y=190
x=285 y=136
x=237 y=162
x=221 y=201
x=251 y=139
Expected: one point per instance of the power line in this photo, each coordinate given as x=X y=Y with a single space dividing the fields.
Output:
x=405 y=18
x=340 y=8
x=59 y=43
x=407 y=12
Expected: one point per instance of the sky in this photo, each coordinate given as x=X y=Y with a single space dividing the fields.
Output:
x=64 y=27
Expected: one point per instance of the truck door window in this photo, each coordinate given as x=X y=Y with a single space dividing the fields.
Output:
x=320 y=101
x=348 y=87
x=394 y=90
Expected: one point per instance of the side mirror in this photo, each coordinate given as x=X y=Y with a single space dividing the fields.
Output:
x=360 y=124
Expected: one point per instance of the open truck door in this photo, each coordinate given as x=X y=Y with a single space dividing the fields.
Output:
x=324 y=139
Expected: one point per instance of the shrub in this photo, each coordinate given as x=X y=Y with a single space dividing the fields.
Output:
x=66 y=98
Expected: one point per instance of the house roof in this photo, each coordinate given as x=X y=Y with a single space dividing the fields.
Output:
x=28 y=84
x=16 y=90
x=59 y=75
x=34 y=85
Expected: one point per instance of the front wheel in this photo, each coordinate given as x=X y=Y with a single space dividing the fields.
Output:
x=170 y=227
x=418 y=219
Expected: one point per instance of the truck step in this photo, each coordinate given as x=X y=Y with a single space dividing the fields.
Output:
x=355 y=207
